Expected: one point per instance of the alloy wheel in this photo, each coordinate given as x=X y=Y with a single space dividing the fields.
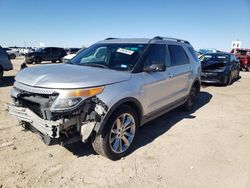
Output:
x=122 y=133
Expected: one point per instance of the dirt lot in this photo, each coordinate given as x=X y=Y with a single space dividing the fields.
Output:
x=208 y=148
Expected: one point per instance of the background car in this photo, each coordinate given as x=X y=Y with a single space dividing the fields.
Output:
x=13 y=53
x=202 y=51
x=72 y=50
x=5 y=63
x=52 y=54
x=220 y=68
x=70 y=56
x=244 y=56
x=26 y=50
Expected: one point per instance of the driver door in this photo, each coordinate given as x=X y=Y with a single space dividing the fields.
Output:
x=157 y=85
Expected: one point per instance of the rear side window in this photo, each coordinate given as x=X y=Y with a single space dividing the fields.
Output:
x=192 y=52
x=178 y=55
x=47 y=50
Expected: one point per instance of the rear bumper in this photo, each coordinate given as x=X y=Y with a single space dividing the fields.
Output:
x=48 y=128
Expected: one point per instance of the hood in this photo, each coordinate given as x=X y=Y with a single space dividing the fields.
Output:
x=70 y=56
x=67 y=76
x=212 y=65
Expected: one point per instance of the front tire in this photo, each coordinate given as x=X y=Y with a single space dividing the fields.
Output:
x=61 y=60
x=228 y=80
x=118 y=135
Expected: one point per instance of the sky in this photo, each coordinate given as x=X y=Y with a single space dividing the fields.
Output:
x=74 y=23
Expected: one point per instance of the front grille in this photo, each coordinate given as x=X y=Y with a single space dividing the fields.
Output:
x=37 y=90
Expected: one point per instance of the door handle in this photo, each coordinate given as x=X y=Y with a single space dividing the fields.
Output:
x=170 y=75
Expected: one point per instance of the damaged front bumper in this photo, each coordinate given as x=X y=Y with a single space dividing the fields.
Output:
x=62 y=131
x=49 y=128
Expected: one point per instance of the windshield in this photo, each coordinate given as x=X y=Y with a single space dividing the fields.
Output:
x=214 y=58
x=113 y=56
x=39 y=49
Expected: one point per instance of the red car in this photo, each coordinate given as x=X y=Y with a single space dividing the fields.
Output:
x=244 y=56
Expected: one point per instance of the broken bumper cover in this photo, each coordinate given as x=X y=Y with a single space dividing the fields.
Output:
x=49 y=128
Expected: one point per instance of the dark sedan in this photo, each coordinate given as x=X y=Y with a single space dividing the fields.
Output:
x=222 y=68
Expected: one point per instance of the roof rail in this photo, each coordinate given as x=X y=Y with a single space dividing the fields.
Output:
x=110 y=38
x=169 y=38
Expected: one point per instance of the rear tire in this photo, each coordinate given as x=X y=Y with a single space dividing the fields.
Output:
x=12 y=56
x=191 y=101
x=118 y=135
x=54 y=61
x=37 y=60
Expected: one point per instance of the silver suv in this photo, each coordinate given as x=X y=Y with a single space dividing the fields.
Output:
x=106 y=92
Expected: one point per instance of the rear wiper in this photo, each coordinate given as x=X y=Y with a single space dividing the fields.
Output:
x=95 y=65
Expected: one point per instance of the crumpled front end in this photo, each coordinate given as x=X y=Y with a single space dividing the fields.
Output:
x=38 y=109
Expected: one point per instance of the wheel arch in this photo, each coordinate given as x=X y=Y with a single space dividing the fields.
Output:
x=130 y=101
x=197 y=85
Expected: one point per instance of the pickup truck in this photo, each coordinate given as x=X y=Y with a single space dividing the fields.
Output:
x=243 y=55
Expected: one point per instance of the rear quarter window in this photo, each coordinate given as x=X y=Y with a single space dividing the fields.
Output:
x=193 y=53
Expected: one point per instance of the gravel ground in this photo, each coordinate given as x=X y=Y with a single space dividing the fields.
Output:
x=207 y=148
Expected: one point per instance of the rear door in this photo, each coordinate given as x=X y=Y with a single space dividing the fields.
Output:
x=180 y=71
x=46 y=54
x=54 y=54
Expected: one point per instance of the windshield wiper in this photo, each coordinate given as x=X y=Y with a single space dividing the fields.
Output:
x=95 y=65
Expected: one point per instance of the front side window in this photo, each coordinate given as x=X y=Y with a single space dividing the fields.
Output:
x=178 y=55
x=156 y=55
x=115 y=56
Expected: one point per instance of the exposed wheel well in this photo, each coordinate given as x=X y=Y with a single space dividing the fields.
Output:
x=137 y=109
x=132 y=102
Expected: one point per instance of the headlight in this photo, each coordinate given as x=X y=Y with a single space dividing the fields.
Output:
x=71 y=98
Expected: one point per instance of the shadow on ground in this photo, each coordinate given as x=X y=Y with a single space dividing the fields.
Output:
x=161 y=125
x=151 y=130
x=81 y=149
x=7 y=81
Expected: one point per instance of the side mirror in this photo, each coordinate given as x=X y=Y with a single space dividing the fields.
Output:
x=155 y=68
